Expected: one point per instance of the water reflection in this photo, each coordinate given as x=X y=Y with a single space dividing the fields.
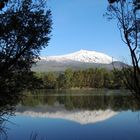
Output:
x=68 y=115
x=115 y=102
x=83 y=109
x=8 y=102
x=79 y=116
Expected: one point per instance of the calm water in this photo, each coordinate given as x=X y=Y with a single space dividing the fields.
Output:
x=74 y=115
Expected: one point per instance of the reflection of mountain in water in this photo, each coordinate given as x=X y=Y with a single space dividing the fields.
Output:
x=84 y=109
x=80 y=116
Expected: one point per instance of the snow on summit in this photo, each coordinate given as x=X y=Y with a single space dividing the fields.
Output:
x=82 y=56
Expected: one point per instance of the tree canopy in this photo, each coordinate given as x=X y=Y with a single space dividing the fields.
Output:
x=88 y=78
x=127 y=14
x=3 y=3
x=25 y=27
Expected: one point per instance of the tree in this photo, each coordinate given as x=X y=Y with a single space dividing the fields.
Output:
x=50 y=80
x=127 y=14
x=68 y=77
x=25 y=26
x=112 y=1
x=78 y=78
x=61 y=81
x=3 y=3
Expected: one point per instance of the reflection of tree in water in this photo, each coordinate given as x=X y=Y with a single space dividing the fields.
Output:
x=8 y=102
x=116 y=103
x=95 y=102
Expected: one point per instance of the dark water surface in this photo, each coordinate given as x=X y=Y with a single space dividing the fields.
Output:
x=74 y=115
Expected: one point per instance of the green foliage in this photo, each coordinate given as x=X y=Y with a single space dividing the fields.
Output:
x=49 y=81
x=61 y=81
x=89 y=78
x=78 y=78
x=68 y=78
x=24 y=30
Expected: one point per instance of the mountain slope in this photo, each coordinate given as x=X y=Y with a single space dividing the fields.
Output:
x=82 y=59
x=82 y=56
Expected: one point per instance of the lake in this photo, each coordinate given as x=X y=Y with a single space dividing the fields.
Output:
x=74 y=115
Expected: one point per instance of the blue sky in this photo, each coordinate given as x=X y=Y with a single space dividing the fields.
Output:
x=79 y=24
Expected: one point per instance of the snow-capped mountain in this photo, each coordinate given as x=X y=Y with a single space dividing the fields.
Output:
x=82 y=59
x=82 y=56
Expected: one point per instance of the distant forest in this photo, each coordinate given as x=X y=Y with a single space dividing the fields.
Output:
x=89 y=78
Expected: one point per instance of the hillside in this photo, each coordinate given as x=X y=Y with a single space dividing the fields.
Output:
x=82 y=59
